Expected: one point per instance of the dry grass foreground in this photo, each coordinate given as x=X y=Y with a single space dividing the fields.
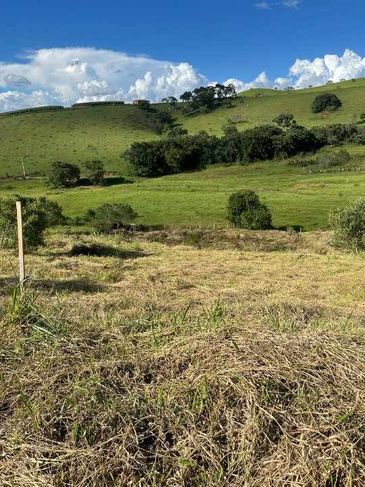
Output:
x=238 y=361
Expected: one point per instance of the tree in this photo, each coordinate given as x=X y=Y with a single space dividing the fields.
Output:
x=285 y=120
x=147 y=158
x=246 y=211
x=38 y=215
x=186 y=96
x=95 y=171
x=349 y=226
x=108 y=216
x=64 y=175
x=171 y=100
x=326 y=101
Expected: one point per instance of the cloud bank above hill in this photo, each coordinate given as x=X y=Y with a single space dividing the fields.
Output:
x=68 y=75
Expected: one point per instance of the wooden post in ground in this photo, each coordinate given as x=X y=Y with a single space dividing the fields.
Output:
x=20 y=244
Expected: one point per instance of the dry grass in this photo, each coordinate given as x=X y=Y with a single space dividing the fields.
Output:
x=171 y=365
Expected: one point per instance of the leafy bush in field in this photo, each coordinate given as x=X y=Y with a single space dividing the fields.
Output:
x=64 y=175
x=326 y=101
x=246 y=211
x=349 y=226
x=336 y=134
x=95 y=171
x=111 y=216
x=285 y=120
x=327 y=160
x=38 y=215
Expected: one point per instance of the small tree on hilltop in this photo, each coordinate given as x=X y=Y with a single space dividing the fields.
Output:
x=95 y=171
x=349 y=226
x=246 y=211
x=38 y=215
x=64 y=175
x=326 y=101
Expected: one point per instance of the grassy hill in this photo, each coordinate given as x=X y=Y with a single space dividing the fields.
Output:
x=105 y=132
x=295 y=196
x=72 y=135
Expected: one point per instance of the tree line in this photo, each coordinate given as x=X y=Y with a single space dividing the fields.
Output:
x=179 y=151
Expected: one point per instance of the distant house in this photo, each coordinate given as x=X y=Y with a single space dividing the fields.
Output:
x=140 y=102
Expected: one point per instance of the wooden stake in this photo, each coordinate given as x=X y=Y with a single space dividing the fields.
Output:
x=20 y=244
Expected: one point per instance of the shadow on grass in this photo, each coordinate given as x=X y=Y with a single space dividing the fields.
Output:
x=98 y=250
x=72 y=285
x=108 y=181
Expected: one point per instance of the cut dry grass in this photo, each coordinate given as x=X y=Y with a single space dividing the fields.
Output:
x=191 y=367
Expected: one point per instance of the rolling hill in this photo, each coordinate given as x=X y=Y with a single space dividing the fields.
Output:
x=37 y=139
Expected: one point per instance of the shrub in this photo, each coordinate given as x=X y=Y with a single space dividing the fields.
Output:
x=349 y=226
x=327 y=160
x=64 y=175
x=95 y=171
x=246 y=211
x=285 y=120
x=336 y=134
x=326 y=101
x=38 y=215
x=111 y=216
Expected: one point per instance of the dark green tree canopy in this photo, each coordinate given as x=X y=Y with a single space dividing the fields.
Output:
x=326 y=101
x=95 y=171
x=64 y=175
x=246 y=211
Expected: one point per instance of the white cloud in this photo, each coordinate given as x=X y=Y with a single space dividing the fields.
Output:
x=292 y=3
x=65 y=76
x=304 y=72
x=263 y=5
x=68 y=75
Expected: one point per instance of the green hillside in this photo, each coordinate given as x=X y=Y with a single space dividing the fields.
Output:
x=294 y=195
x=104 y=132
x=70 y=135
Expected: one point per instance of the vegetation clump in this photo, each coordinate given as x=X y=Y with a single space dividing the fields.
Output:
x=64 y=175
x=111 y=216
x=245 y=210
x=95 y=171
x=326 y=101
x=38 y=215
x=348 y=224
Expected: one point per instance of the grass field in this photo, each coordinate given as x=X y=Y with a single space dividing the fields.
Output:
x=200 y=198
x=105 y=133
x=158 y=365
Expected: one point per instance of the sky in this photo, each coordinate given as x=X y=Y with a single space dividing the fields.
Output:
x=61 y=52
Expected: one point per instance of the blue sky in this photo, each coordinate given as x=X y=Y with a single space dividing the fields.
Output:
x=219 y=40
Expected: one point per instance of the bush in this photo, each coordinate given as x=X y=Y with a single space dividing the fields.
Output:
x=94 y=171
x=327 y=160
x=111 y=216
x=336 y=134
x=64 y=175
x=349 y=226
x=326 y=101
x=38 y=215
x=246 y=211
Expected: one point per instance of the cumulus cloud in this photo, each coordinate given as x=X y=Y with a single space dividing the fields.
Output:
x=69 y=75
x=304 y=72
